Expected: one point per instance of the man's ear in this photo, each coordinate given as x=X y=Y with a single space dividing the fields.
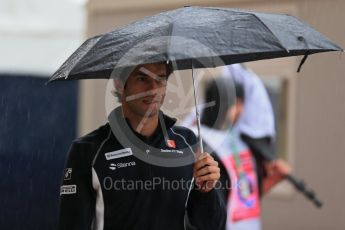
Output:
x=118 y=86
x=239 y=105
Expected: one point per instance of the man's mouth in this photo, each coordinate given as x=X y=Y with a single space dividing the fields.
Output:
x=151 y=101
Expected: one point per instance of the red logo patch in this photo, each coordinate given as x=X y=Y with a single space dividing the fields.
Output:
x=171 y=144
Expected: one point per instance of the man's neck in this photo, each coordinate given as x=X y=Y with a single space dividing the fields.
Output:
x=146 y=126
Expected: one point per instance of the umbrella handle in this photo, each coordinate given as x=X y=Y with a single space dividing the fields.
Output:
x=307 y=192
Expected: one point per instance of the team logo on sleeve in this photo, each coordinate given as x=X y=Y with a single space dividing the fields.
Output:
x=68 y=189
x=68 y=174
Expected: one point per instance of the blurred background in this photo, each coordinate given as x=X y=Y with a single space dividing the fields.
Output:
x=38 y=121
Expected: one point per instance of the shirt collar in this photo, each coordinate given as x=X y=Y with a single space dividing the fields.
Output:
x=168 y=123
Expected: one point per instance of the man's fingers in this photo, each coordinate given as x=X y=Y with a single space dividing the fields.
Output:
x=207 y=160
x=208 y=177
x=278 y=167
x=206 y=170
x=283 y=167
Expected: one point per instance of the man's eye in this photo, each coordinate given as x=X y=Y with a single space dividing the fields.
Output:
x=141 y=78
x=162 y=81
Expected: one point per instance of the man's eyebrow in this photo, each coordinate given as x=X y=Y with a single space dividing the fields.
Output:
x=150 y=74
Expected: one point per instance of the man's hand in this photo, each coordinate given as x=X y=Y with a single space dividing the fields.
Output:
x=276 y=170
x=206 y=172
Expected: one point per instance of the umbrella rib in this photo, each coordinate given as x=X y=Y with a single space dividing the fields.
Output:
x=169 y=35
x=258 y=18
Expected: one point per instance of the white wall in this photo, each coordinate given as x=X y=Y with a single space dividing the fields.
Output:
x=36 y=36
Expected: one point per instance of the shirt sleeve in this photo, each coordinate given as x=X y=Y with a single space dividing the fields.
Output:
x=224 y=182
x=206 y=210
x=262 y=150
x=77 y=202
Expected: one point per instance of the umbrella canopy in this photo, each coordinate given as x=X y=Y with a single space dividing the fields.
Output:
x=210 y=36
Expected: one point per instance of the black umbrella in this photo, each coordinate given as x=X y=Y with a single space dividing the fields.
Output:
x=212 y=36
x=196 y=37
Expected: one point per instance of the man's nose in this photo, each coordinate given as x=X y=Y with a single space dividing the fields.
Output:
x=155 y=89
x=154 y=84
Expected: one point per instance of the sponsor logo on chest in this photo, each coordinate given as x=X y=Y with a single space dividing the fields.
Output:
x=171 y=151
x=114 y=166
x=171 y=144
x=118 y=154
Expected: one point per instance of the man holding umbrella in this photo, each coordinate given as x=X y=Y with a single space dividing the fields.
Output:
x=104 y=160
x=136 y=171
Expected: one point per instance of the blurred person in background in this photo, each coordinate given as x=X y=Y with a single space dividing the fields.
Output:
x=236 y=129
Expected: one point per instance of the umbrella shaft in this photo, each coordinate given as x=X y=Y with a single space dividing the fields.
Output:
x=201 y=147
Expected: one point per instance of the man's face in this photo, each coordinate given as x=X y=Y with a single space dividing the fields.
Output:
x=144 y=91
x=235 y=111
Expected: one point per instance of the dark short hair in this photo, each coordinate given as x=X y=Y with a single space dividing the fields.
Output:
x=123 y=74
x=221 y=91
